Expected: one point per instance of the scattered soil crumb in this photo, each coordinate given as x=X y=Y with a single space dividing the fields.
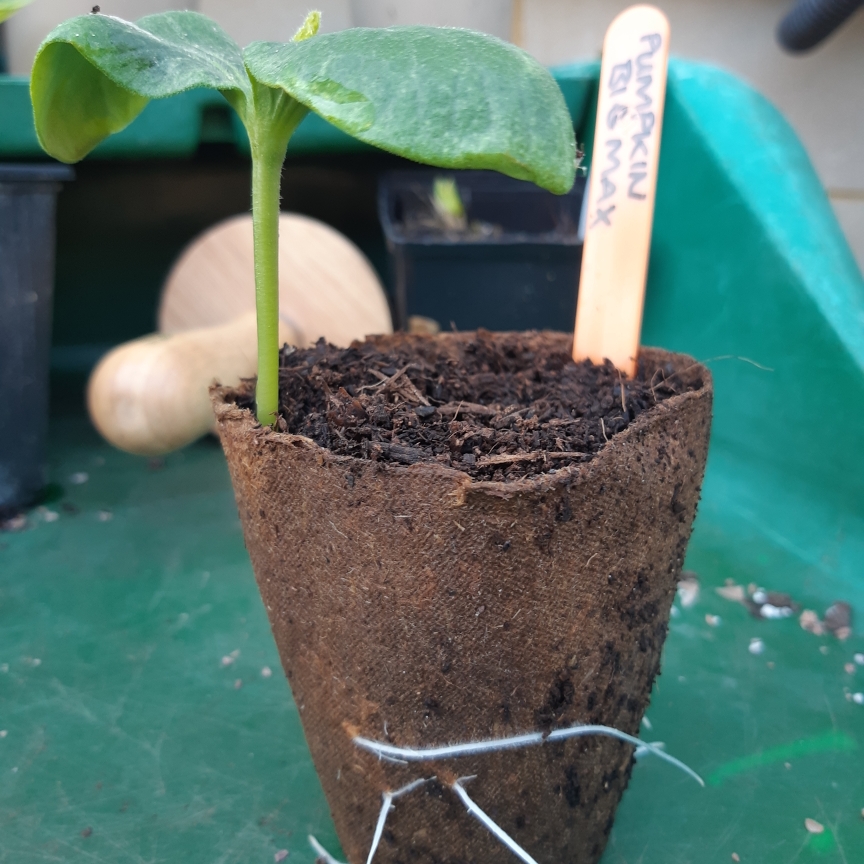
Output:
x=770 y=605
x=810 y=622
x=838 y=619
x=849 y=668
x=266 y=671
x=813 y=826
x=281 y=855
x=78 y=478
x=824 y=649
x=238 y=683
x=736 y=857
x=757 y=646
x=859 y=659
x=104 y=515
x=688 y=589
x=87 y=831
x=733 y=592
x=498 y=407
x=713 y=620
x=4 y=733
x=228 y=659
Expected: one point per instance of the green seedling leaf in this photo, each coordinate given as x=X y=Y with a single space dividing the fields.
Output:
x=451 y=98
x=10 y=7
x=94 y=74
x=446 y=97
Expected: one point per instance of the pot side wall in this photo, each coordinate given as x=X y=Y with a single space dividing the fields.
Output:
x=412 y=606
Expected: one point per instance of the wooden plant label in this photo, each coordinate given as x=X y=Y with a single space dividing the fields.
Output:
x=622 y=188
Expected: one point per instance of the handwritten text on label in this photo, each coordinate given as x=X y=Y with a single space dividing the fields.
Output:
x=631 y=125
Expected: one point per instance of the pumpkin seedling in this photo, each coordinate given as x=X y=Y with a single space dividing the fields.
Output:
x=447 y=204
x=445 y=97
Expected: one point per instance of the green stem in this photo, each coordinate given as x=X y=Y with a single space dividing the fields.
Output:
x=270 y=125
x=266 y=177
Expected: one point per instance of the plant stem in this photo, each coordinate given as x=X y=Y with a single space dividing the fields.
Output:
x=270 y=126
x=266 y=177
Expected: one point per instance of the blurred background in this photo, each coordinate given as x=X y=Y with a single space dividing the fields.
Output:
x=820 y=92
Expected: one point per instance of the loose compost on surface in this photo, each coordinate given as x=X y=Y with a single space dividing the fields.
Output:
x=497 y=408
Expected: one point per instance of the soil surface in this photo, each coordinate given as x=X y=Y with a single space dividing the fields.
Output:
x=500 y=406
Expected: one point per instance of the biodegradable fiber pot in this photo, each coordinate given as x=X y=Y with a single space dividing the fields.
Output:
x=414 y=606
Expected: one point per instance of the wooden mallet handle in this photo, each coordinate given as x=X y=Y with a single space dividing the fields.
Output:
x=150 y=396
x=622 y=188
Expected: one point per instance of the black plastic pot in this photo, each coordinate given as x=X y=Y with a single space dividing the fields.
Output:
x=28 y=196
x=521 y=277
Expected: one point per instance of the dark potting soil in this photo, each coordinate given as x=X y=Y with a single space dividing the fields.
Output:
x=500 y=406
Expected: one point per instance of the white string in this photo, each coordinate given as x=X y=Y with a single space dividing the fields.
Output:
x=487 y=823
x=321 y=852
x=385 y=809
x=410 y=754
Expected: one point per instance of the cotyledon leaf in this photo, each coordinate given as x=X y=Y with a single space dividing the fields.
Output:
x=94 y=74
x=10 y=7
x=447 y=97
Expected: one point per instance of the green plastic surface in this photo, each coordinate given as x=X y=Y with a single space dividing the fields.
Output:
x=132 y=726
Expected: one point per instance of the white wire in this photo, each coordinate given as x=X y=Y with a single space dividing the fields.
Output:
x=385 y=809
x=409 y=754
x=379 y=826
x=611 y=732
x=321 y=852
x=642 y=750
x=487 y=823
